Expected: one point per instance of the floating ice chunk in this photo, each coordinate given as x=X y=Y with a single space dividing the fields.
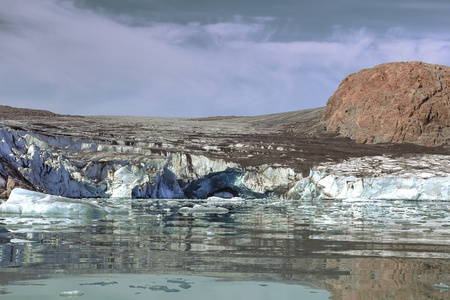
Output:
x=441 y=286
x=163 y=288
x=102 y=283
x=223 y=199
x=17 y=241
x=26 y=202
x=218 y=201
x=71 y=294
x=203 y=210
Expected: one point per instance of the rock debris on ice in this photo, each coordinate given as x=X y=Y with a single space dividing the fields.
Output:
x=254 y=157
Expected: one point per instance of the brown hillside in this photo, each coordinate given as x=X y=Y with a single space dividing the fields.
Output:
x=405 y=102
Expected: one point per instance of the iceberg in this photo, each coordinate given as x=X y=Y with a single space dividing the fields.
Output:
x=200 y=209
x=30 y=203
x=71 y=294
x=441 y=286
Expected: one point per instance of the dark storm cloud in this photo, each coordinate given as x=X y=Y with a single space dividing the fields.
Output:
x=197 y=58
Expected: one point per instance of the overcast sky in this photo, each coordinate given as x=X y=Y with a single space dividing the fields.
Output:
x=204 y=57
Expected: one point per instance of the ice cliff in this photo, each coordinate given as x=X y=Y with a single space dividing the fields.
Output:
x=423 y=177
x=83 y=168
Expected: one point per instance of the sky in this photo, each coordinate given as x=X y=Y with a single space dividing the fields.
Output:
x=196 y=58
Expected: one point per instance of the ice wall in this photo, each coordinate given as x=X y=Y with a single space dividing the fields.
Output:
x=413 y=178
x=82 y=168
x=86 y=169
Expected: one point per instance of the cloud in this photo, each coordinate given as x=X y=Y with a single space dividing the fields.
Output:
x=70 y=60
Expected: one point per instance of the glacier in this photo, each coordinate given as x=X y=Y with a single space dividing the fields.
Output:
x=74 y=167
x=422 y=177
x=80 y=168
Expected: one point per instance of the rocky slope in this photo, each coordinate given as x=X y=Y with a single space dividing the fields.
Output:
x=289 y=155
x=407 y=102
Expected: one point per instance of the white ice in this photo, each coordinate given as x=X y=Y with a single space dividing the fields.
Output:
x=71 y=294
x=25 y=202
x=200 y=209
x=380 y=178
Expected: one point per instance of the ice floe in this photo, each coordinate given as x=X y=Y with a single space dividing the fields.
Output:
x=26 y=202
x=200 y=209
x=70 y=294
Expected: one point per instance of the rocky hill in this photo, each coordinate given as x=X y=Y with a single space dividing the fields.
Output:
x=405 y=102
x=289 y=155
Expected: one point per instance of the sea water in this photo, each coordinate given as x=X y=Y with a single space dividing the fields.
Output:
x=130 y=286
x=230 y=249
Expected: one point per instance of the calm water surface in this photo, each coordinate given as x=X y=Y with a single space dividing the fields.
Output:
x=253 y=249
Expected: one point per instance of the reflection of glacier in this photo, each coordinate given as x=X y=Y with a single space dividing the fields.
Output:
x=84 y=168
x=352 y=247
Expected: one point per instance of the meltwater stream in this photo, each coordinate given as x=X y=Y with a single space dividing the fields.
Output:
x=231 y=249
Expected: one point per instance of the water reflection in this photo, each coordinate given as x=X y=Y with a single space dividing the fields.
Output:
x=131 y=286
x=354 y=249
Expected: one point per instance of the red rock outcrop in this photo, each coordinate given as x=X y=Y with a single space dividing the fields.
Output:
x=403 y=102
